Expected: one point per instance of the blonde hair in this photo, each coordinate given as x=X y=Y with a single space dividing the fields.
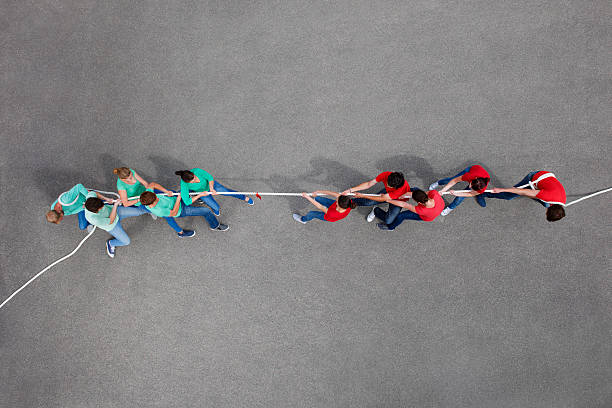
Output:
x=53 y=216
x=122 y=172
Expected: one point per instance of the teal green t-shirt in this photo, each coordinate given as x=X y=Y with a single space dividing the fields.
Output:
x=101 y=219
x=72 y=200
x=200 y=187
x=164 y=205
x=132 y=190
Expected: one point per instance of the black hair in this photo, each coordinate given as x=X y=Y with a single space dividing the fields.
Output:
x=346 y=202
x=420 y=196
x=479 y=183
x=395 y=180
x=555 y=212
x=93 y=204
x=186 y=175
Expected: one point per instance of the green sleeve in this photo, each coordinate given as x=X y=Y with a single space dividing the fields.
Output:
x=185 y=193
x=82 y=190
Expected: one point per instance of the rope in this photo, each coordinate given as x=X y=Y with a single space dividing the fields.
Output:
x=49 y=267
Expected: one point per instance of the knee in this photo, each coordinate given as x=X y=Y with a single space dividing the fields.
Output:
x=127 y=241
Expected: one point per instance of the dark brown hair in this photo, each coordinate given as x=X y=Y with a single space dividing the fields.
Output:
x=147 y=198
x=93 y=204
x=555 y=212
x=186 y=175
x=420 y=196
x=479 y=183
x=346 y=202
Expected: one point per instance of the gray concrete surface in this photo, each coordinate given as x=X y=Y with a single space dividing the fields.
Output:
x=487 y=307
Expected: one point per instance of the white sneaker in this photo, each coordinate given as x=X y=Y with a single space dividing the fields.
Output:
x=433 y=186
x=446 y=211
x=153 y=216
x=371 y=216
x=90 y=228
x=298 y=218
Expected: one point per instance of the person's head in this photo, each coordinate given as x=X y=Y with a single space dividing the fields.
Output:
x=479 y=183
x=395 y=180
x=54 y=216
x=185 y=175
x=555 y=212
x=93 y=204
x=420 y=196
x=147 y=198
x=123 y=173
x=345 y=202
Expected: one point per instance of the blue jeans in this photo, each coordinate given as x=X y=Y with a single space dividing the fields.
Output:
x=458 y=200
x=318 y=214
x=386 y=216
x=191 y=211
x=121 y=237
x=404 y=215
x=510 y=196
x=212 y=203
x=83 y=223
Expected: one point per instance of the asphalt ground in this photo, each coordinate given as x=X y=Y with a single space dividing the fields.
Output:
x=490 y=307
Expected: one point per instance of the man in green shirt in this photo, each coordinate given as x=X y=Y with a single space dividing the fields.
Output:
x=171 y=208
x=109 y=219
x=71 y=202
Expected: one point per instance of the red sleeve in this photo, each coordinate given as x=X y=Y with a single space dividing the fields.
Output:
x=383 y=176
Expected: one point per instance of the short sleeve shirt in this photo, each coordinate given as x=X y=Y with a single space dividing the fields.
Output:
x=476 y=171
x=394 y=193
x=203 y=185
x=101 y=219
x=164 y=206
x=430 y=214
x=332 y=214
x=132 y=190
x=72 y=200
x=551 y=189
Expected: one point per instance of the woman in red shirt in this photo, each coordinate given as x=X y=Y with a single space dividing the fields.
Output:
x=478 y=179
x=429 y=206
x=330 y=210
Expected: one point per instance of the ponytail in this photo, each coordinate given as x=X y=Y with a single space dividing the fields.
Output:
x=122 y=172
x=346 y=202
x=185 y=175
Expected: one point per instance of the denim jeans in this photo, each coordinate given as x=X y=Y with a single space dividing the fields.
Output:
x=458 y=200
x=121 y=237
x=386 y=216
x=83 y=223
x=212 y=203
x=404 y=215
x=510 y=196
x=318 y=214
x=191 y=211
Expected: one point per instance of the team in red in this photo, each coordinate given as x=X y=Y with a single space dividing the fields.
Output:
x=541 y=186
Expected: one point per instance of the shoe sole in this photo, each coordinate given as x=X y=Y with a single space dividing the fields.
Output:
x=216 y=229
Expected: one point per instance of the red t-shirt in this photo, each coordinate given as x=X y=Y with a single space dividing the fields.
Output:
x=430 y=214
x=394 y=193
x=475 y=172
x=551 y=190
x=332 y=214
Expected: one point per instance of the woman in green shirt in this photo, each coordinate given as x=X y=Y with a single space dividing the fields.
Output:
x=200 y=181
x=130 y=184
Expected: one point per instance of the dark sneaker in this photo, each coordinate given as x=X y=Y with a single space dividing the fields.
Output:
x=186 y=234
x=110 y=250
x=383 y=227
x=221 y=227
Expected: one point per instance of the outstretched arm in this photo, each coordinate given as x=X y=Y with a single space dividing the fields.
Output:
x=327 y=192
x=527 y=192
x=158 y=186
x=141 y=180
x=403 y=204
x=451 y=183
x=362 y=186
x=314 y=202
x=463 y=194
x=124 y=199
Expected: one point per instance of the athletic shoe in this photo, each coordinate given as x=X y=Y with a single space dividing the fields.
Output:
x=250 y=202
x=446 y=211
x=220 y=227
x=433 y=186
x=90 y=228
x=481 y=201
x=110 y=250
x=371 y=216
x=383 y=226
x=153 y=216
x=186 y=234
x=298 y=218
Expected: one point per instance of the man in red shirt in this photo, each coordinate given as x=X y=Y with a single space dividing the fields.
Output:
x=395 y=187
x=545 y=189
x=429 y=206
x=329 y=210
x=478 y=179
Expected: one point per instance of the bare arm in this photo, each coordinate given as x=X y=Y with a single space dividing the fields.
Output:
x=102 y=197
x=141 y=180
x=403 y=204
x=124 y=199
x=327 y=192
x=158 y=186
x=527 y=192
x=362 y=186
x=462 y=194
x=451 y=183
x=315 y=203
x=113 y=213
x=175 y=209
x=381 y=199
x=211 y=187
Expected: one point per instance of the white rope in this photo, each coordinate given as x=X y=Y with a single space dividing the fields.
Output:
x=589 y=196
x=49 y=267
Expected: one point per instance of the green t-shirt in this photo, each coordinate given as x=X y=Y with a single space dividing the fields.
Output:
x=101 y=219
x=72 y=200
x=132 y=190
x=200 y=187
x=164 y=205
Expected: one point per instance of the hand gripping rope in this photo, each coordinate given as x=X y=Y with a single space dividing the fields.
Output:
x=258 y=195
